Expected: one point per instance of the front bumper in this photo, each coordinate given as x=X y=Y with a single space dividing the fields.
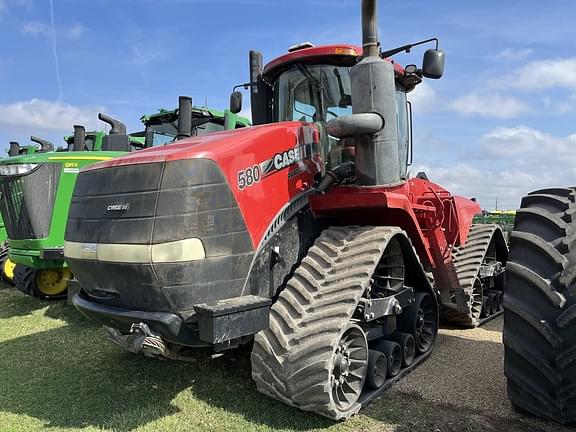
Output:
x=215 y=324
x=169 y=326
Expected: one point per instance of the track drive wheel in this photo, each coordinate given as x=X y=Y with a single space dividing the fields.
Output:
x=540 y=306
x=299 y=359
x=422 y=322
x=44 y=283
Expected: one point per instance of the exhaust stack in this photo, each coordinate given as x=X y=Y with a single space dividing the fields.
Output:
x=184 y=117
x=117 y=127
x=258 y=89
x=79 y=138
x=117 y=139
x=373 y=91
x=45 y=146
x=14 y=149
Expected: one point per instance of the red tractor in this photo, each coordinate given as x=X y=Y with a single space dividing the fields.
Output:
x=303 y=235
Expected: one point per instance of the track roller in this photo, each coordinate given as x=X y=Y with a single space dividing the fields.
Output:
x=408 y=346
x=393 y=353
x=377 y=369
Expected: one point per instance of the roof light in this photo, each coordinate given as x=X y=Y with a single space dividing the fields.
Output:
x=16 y=169
x=346 y=51
x=300 y=46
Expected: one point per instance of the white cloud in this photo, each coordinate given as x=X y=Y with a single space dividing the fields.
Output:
x=507 y=186
x=489 y=105
x=424 y=97
x=41 y=115
x=509 y=54
x=37 y=28
x=527 y=146
x=515 y=161
x=141 y=54
x=76 y=31
x=544 y=74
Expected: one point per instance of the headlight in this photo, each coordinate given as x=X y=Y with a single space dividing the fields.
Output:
x=17 y=169
x=190 y=249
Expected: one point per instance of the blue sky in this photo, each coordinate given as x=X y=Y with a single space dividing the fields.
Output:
x=500 y=122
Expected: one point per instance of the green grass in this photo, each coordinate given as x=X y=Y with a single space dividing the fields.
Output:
x=58 y=372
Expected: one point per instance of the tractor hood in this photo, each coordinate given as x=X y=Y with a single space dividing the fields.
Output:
x=230 y=146
x=55 y=157
x=168 y=228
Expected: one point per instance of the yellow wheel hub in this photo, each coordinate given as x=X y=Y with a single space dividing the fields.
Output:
x=8 y=269
x=52 y=282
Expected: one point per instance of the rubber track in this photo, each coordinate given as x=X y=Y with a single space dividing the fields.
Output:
x=292 y=360
x=467 y=261
x=540 y=305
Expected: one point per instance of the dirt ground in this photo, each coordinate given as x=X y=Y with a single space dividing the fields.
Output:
x=462 y=387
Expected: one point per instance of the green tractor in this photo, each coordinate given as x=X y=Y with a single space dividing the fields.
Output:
x=36 y=189
x=503 y=218
x=7 y=265
x=93 y=141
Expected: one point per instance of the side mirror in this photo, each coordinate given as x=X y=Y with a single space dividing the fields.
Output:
x=236 y=102
x=433 y=63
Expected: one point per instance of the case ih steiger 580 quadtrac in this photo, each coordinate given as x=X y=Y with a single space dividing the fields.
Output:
x=37 y=189
x=540 y=306
x=302 y=235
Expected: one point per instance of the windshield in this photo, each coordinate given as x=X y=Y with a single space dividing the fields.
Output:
x=164 y=132
x=88 y=143
x=313 y=93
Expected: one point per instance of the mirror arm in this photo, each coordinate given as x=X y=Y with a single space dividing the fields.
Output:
x=407 y=48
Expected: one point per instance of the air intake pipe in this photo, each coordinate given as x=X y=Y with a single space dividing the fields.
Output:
x=45 y=146
x=14 y=149
x=184 y=117
x=116 y=126
x=79 y=143
x=373 y=91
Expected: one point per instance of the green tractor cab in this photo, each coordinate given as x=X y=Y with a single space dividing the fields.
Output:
x=36 y=189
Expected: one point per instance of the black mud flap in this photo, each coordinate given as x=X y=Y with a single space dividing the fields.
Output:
x=232 y=318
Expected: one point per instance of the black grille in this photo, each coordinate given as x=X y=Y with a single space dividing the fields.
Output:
x=27 y=202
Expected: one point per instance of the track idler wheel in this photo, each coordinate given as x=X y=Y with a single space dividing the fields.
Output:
x=377 y=369
x=408 y=346
x=350 y=362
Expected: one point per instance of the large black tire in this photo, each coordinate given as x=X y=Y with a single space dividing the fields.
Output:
x=4 y=252
x=294 y=360
x=26 y=280
x=540 y=306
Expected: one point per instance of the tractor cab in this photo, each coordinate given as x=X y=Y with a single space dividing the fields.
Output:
x=314 y=84
x=92 y=141
x=162 y=127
